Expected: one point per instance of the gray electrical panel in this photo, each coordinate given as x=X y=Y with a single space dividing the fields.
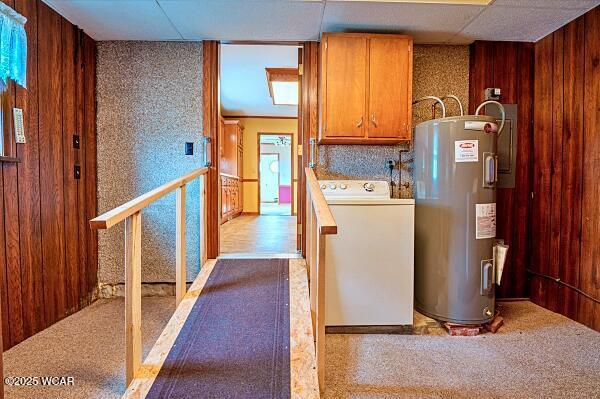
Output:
x=507 y=145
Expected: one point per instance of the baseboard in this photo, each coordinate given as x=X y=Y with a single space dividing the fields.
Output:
x=250 y=214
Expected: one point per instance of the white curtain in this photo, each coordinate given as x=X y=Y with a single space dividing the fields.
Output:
x=13 y=46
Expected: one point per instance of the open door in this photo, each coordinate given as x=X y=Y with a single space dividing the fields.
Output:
x=308 y=80
x=210 y=127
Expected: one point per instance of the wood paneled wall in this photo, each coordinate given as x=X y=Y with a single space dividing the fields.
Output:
x=48 y=254
x=509 y=66
x=551 y=219
x=566 y=170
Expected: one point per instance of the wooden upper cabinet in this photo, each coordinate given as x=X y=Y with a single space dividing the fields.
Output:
x=366 y=88
x=344 y=86
x=232 y=135
x=390 y=88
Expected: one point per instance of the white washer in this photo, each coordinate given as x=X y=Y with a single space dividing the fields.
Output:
x=370 y=262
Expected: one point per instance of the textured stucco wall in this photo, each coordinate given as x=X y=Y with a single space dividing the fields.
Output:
x=437 y=70
x=149 y=98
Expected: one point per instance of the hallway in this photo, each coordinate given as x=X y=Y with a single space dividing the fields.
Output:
x=259 y=234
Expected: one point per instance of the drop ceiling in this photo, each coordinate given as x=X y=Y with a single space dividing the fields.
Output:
x=428 y=21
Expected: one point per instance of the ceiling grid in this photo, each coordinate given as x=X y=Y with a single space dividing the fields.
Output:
x=428 y=21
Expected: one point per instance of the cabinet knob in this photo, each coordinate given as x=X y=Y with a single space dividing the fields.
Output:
x=359 y=124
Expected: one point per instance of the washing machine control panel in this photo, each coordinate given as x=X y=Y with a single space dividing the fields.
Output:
x=356 y=189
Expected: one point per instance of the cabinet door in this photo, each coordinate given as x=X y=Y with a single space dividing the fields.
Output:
x=390 y=88
x=223 y=201
x=345 y=87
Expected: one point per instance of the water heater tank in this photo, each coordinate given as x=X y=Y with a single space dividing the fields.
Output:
x=455 y=218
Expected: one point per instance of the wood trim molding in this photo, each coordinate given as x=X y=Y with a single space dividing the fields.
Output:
x=9 y=159
x=210 y=126
x=258 y=117
x=309 y=125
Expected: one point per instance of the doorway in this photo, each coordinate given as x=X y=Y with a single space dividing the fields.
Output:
x=276 y=190
x=258 y=147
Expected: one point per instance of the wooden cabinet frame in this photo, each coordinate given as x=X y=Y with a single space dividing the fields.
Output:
x=365 y=139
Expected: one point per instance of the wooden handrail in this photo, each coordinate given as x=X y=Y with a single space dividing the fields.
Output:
x=120 y=213
x=319 y=225
x=131 y=213
x=324 y=216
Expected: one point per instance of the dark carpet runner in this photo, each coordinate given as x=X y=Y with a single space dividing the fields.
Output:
x=235 y=342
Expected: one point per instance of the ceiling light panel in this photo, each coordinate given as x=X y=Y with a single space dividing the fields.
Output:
x=285 y=93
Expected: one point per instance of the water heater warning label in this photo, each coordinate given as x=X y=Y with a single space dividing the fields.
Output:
x=485 y=221
x=466 y=151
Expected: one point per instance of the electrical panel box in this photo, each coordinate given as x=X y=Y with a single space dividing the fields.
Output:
x=507 y=144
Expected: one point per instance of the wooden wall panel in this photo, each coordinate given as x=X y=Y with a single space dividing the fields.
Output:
x=571 y=159
x=70 y=37
x=558 y=163
x=589 y=266
x=51 y=162
x=556 y=170
x=4 y=285
x=29 y=179
x=89 y=131
x=565 y=159
x=542 y=165
x=509 y=66
x=48 y=257
x=11 y=236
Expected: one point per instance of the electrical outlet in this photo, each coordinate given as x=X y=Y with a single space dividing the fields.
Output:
x=189 y=148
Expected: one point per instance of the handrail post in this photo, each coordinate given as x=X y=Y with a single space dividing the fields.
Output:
x=314 y=280
x=307 y=222
x=133 y=296
x=320 y=328
x=180 y=260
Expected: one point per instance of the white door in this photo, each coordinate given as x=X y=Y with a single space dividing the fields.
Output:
x=269 y=178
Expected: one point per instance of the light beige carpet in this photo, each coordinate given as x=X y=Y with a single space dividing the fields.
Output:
x=89 y=346
x=536 y=354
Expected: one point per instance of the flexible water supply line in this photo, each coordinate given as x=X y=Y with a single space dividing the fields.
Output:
x=453 y=97
x=439 y=100
x=500 y=107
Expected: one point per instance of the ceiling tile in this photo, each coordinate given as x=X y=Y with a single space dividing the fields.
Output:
x=118 y=19
x=568 y=4
x=427 y=23
x=245 y=19
x=527 y=24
